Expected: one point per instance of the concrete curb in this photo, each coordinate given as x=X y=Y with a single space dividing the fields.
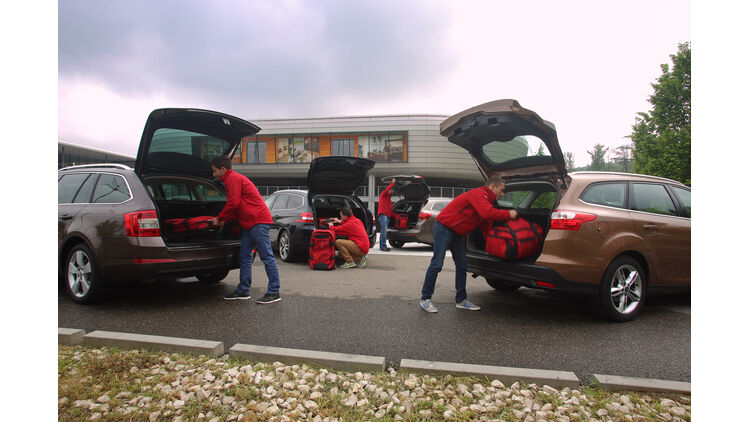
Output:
x=166 y=344
x=556 y=379
x=617 y=383
x=70 y=336
x=351 y=362
x=342 y=361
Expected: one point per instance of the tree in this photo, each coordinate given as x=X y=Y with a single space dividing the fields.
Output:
x=570 y=162
x=540 y=151
x=597 y=157
x=622 y=158
x=661 y=137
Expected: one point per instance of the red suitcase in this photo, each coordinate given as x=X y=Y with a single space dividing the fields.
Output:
x=401 y=221
x=322 y=250
x=515 y=239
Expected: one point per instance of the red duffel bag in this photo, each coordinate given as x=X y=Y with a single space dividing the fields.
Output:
x=514 y=239
x=176 y=225
x=401 y=221
x=201 y=223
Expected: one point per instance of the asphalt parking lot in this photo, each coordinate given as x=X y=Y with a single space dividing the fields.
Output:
x=375 y=311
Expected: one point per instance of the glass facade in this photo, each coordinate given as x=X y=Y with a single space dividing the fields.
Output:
x=384 y=147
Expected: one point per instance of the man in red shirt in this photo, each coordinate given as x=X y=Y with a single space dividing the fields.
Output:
x=462 y=215
x=245 y=205
x=385 y=210
x=356 y=245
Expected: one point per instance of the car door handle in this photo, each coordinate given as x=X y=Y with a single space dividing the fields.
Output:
x=651 y=227
x=66 y=216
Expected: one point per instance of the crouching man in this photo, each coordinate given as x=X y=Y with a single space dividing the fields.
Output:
x=355 y=247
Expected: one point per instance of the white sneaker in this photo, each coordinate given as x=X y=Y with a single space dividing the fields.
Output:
x=467 y=305
x=428 y=306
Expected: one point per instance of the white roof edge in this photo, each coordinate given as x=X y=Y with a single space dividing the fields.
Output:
x=103 y=151
x=350 y=117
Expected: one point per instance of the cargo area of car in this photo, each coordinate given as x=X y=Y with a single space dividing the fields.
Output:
x=408 y=211
x=329 y=206
x=534 y=201
x=184 y=205
x=476 y=241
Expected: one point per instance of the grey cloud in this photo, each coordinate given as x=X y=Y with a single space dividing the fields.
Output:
x=263 y=58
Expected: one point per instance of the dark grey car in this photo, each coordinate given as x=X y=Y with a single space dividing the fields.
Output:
x=113 y=220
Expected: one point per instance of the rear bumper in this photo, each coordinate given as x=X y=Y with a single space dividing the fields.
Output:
x=170 y=262
x=526 y=273
x=404 y=235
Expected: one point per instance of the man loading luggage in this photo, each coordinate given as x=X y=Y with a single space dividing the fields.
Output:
x=245 y=205
x=355 y=247
x=385 y=209
x=462 y=215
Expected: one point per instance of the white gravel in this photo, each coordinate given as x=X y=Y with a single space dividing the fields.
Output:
x=181 y=388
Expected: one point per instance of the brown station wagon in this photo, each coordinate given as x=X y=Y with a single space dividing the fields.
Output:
x=617 y=236
x=113 y=220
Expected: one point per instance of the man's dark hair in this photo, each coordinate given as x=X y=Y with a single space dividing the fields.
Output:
x=222 y=161
x=494 y=180
x=346 y=211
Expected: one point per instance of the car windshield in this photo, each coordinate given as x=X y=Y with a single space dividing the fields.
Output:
x=499 y=152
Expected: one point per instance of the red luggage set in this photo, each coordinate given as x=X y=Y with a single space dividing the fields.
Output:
x=401 y=221
x=200 y=224
x=178 y=225
x=514 y=239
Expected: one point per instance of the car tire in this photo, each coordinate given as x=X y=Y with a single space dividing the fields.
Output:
x=286 y=252
x=212 y=277
x=397 y=243
x=502 y=285
x=622 y=291
x=82 y=280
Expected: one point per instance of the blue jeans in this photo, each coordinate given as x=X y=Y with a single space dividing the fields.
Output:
x=446 y=239
x=257 y=238
x=383 y=219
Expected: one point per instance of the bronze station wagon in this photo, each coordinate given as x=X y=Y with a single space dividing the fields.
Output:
x=617 y=236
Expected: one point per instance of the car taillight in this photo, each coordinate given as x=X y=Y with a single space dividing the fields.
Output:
x=142 y=224
x=569 y=220
x=305 y=217
x=424 y=216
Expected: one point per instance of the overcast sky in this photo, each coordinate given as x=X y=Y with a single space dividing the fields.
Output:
x=586 y=66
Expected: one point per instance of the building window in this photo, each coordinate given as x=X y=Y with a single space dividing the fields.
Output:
x=256 y=152
x=342 y=147
x=303 y=148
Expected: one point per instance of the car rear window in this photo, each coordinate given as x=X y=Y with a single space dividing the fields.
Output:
x=295 y=201
x=500 y=151
x=111 y=189
x=653 y=198
x=608 y=194
x=438 y=206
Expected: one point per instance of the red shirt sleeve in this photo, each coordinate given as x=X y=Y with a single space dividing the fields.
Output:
x=482 y=203
x=233 y=187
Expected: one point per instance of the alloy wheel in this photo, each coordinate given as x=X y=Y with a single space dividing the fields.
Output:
x=626 y=289
x=284 y=245
x=79 y=274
